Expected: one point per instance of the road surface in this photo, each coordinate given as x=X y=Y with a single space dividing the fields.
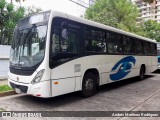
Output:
x=127 y=95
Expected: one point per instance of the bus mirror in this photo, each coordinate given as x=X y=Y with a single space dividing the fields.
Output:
x=64 y=33
x=64 y=25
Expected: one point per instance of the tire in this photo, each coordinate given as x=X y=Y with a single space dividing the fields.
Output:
x=141 y=73
x=89 y=85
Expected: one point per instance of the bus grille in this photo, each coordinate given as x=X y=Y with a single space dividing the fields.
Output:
x=21 y=87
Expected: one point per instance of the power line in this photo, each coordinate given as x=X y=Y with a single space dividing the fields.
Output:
x=79 y=3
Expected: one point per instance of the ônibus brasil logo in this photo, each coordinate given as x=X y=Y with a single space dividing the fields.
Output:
x=122 y=68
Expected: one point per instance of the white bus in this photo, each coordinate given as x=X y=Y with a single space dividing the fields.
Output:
x=54 y=53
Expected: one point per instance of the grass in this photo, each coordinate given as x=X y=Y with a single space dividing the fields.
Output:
x=2 y=109
x=4 y=88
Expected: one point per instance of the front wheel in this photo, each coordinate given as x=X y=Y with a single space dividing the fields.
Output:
x=89 y=85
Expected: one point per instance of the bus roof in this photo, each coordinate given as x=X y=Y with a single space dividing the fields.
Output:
x=99 y=25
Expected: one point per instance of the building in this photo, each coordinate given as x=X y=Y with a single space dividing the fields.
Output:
x=148 y=11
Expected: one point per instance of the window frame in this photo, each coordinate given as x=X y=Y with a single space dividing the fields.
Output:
x=95 y=29
x=136 y=40
x=133 y=46
x=149 y=45
x=110 y=32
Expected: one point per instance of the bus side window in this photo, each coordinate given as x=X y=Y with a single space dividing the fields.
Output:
x=95 y=40
x=70 y=43
x=147 y=48
x=115 y=44
x=61 y=45
x=139 y=47
x=56 y=41
x=154 y=49
x=128 y=44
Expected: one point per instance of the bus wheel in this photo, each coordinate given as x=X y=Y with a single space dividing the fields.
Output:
x=142 y=72
x=89 y=85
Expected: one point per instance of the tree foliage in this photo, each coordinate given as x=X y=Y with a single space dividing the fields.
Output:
x=151 y=30
x=9 y=16
x=121 y=14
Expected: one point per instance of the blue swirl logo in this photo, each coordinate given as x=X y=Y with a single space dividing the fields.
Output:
x=122 y=68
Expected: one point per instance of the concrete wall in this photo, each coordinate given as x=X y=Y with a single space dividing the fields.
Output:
x=4 y=61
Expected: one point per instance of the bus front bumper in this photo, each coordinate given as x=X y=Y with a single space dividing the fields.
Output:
x=38 y=90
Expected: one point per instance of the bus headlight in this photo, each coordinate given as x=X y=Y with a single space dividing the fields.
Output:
x=38 y=77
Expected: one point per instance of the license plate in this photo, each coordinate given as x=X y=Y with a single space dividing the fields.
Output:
x=18 y=90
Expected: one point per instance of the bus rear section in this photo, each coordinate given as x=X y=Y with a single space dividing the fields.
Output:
x=158 y=54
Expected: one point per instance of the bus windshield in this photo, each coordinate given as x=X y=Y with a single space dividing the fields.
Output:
x=28 y=44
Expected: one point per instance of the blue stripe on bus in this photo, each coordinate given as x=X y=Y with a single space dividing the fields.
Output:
x=125 y=65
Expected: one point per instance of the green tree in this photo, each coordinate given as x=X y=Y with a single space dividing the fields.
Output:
x=9 y=16
x=121 y=14
x=2 y=18
x=151 y=30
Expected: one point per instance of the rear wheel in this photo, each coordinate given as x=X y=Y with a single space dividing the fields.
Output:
x=89 y=85
x=142 y=72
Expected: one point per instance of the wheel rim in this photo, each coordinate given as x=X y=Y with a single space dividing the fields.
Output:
x=89 y=84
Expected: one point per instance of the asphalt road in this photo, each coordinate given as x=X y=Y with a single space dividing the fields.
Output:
x=127 y=95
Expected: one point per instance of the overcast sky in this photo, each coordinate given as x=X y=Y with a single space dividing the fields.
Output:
x=59 y=5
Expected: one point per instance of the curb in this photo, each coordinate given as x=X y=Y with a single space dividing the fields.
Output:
x=7 y=93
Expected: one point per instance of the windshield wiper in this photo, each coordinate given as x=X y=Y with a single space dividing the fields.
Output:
x=24 y=41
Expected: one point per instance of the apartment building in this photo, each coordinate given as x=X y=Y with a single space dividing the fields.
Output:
x=148 y=11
